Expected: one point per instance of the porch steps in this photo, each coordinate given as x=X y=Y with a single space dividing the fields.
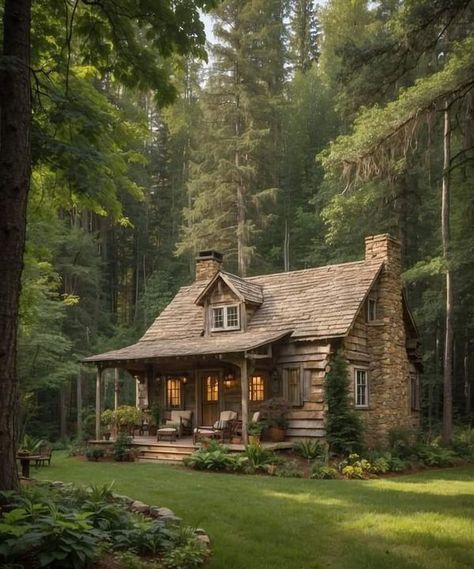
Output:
x=164 y=452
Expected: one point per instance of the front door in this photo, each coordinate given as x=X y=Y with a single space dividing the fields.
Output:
x=210 y=385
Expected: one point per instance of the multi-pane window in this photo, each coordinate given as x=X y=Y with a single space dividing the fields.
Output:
x=225 y=318
x=173 y=393
x=361 y=388
x=256 y=388
x=218 y=318
x=212 y=388
x=294 y=385
x=415 y=391
x=371 y=309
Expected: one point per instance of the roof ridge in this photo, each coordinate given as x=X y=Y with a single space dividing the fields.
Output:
x=362 y=261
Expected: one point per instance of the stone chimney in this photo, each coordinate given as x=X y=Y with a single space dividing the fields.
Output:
x=384 y=248
x=208 y=263
x=389 y=393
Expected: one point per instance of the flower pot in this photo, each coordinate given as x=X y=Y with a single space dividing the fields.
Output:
x=276 y=434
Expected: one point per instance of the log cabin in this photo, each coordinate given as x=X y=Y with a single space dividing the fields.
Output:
x=230 y=343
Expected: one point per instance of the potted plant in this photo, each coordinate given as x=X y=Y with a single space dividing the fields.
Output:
x=29 y=445
x=274 y=412
x=255 y=430
x=107 y=421
x=126 y=417
x=156 y=413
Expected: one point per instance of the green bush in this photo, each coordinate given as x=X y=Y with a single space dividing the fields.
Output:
x=95 y=453
x=355 y=467
x=310 y=449
x=213 y=457
x=343 y=425
x=321 y=471
x=289 y=469
x=121 y=447
x=258 y=458
x=463 y=443
x=402 y=442
x=433 y=455
x=186 y=556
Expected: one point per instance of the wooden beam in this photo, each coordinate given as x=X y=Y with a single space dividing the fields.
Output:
x=116 y=388
x=98 y=403
x=244 y=383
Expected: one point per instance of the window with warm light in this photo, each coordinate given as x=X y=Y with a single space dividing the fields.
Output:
x=173 y=393
x=256 y=388
x=212 y=388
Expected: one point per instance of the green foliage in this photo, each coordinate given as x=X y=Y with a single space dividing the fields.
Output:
x=94 y=453
x=214 y=457
x=343 y=424
x=30 y=444
x=188 y=555
x=323 y=471
x=127 y=416
x=288 y=469
x=258 y=457
x=256 y=428
x=355 y=467
x=310 y=449
x=121 y=447
x=402 y=442
x=434 y=455
x=274 y=412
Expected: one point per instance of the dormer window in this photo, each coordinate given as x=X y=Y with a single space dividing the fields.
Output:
x=225 y=318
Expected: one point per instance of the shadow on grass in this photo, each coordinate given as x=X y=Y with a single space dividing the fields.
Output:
x=261 y=522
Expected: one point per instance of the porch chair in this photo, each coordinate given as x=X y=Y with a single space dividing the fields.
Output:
x=181 y=420
x=222 y=429
x=44 y=455
x=237 y=430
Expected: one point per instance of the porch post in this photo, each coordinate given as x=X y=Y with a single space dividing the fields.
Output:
x=244 y=383
x=116 y=388
x=98 y=402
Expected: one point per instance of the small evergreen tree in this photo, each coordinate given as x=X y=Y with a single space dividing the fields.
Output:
x=343 y=424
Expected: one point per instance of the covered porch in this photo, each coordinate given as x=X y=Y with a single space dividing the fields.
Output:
x=202 y=384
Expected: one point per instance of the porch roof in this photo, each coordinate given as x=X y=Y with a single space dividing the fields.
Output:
x=190 y=347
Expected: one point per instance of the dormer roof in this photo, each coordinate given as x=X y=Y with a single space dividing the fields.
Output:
x=244 y=290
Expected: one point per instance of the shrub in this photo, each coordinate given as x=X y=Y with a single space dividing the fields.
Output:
x=402 y=442
x=323 y=471
x=214 y=457
x=433 y=455
x=186 y=556
x=95 y=453
x=121 y=447
x=289 y=469
x=310 y=449
x=463 y=443
x=355 y=467
x=380 y=465
x=343 y=424
x=258 y=457
x=274 y=412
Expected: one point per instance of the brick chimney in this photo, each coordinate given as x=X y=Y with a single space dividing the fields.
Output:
x=208 y=263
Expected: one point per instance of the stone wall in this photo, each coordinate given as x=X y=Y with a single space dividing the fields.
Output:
x=389 y=373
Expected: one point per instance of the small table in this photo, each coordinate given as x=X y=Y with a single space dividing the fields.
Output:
x=25 y=460
x=167 y=433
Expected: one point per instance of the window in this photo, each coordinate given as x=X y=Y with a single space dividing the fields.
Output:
x=415 y=391
x=173 y=393
x=361 y=388
x=225 y=318
x=212 y=388
x=293 y=375
x=371 y=309
x=256 y=388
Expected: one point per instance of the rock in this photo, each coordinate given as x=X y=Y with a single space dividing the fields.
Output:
x=165 y=513
x=141 y=507
x=200 y=531
x=204 y=539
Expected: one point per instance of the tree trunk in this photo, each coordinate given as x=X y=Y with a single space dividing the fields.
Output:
x=79 y=404
x=62 y=411
x=15 y=164
x=467 y=382
x=448 y=339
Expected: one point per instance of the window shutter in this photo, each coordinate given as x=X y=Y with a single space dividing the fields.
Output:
x=306 y=385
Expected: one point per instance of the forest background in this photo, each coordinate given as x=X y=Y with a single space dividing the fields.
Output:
x=309 y=128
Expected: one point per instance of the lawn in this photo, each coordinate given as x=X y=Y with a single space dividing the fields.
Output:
x=255 y=522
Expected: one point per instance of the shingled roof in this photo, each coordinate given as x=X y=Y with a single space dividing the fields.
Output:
x=244 y=289
x=316 y=303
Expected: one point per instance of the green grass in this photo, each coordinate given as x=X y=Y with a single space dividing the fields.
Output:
x=256 y=522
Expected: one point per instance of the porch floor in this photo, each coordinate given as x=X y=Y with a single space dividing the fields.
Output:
x=153 y=450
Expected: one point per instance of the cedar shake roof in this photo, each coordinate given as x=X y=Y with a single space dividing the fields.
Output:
x=244 y=289
x=314 y=304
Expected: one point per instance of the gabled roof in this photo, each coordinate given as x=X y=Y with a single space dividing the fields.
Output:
x=316 y=303
x=244 y=289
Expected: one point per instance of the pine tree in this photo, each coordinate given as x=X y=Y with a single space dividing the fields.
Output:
x=343 y=424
